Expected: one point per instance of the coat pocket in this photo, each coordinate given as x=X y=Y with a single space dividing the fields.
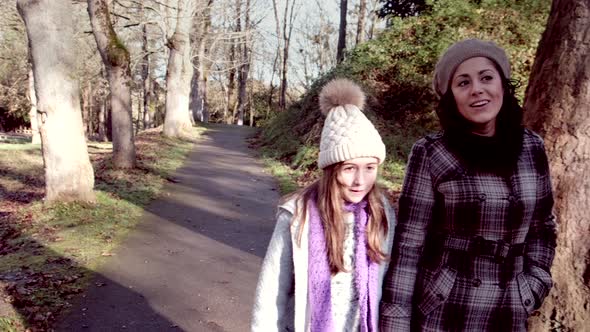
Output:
x=526 y=295
x=436 y=292
x=394 y=317
x=392 y=310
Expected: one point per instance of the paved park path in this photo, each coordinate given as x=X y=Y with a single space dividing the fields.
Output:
x=193 y=262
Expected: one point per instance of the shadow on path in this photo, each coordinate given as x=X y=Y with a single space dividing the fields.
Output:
x=195 y=257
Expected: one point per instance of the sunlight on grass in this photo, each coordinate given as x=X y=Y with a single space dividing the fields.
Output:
x=49 y=251
x=84 y=233
x=286 y=176
x=19 y=146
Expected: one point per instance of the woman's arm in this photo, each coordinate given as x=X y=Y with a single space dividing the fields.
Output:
x=275 y=283
x=416 y=206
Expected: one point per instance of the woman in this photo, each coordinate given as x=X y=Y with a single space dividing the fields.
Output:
x=476 y=234
x=328 y=254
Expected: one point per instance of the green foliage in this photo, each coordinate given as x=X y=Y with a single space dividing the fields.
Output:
x=14 y=104
x=395 y=70
x=7 y=324
x=285 y=175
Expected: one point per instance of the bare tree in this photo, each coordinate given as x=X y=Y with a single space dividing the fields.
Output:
x=373 y=17
x=198 y=102
x=116 y=60
x=244 y=67
x=145 y=71
x=179 y=72
x=86 y=107
x=360 y=27
x=286 y=33
x=235 y=54
x=556 y=104
x=68 y=172
x=342 y=32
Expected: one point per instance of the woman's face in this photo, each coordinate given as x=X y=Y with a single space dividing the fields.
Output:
x=478 y=91
x=356 y=178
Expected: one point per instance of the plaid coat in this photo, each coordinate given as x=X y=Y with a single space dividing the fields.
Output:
x=432 y=287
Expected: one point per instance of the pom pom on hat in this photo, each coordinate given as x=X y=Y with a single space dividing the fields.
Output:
x=347 y=133
x=340 y=92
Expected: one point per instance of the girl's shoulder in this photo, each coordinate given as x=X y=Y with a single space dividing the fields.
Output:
x=290 y=204
x=289 y=207
x=389 y=210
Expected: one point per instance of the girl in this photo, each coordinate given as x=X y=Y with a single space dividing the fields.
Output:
x=329 y=251
x=476 y=233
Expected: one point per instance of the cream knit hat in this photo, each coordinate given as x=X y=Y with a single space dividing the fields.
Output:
x=461 y=51
x=347 y=132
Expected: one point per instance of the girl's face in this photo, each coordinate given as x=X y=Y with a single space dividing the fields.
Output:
x=356 y=178
x=478 y=91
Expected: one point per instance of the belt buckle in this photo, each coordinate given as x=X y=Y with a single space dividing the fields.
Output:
x=476 y=245
x=502 y=250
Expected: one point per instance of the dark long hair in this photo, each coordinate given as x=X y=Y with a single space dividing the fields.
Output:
x=509 y=129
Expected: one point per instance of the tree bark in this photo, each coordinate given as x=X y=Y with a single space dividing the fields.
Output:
x=36 y=137
x=342 y=31
x=86 y=109
x=233 y=56
x=198 y=102
x=116 y=59
x=145 y=73
x=179 y=73
x=373 y=18
x=287 y=23
x=68 y=172
x=556 y=104
x=360 y=27
x=102 y=126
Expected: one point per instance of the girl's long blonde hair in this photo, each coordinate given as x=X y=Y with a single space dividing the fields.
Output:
x=326 y=193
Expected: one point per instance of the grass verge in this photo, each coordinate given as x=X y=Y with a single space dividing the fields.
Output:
x=48 y=252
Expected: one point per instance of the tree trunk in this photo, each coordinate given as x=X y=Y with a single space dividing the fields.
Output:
x=342 y=31
x=198 y=100
x=179 y=73
x=360 y=27
x=277 y=64
x=86 y=109
x=102 y=126
x=556 y=104
x=373 y=18
x=250 y=108
x=231 y=85
x=145 y=74
x=116 y=59
x=35 y=138
x=244 y=67
x=68 y=172
x=285 y=58
x=287 y=22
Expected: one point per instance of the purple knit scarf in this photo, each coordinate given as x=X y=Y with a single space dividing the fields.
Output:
x=319 y=278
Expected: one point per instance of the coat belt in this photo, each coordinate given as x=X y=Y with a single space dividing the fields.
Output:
x=478 y=246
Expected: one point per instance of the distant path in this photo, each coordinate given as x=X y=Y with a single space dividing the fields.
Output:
x=193 y=262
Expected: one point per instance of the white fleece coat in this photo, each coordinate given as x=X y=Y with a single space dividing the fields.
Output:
x=280 y=303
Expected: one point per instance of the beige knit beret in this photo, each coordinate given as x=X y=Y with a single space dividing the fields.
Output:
x=461 y=51
x=347 y=133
